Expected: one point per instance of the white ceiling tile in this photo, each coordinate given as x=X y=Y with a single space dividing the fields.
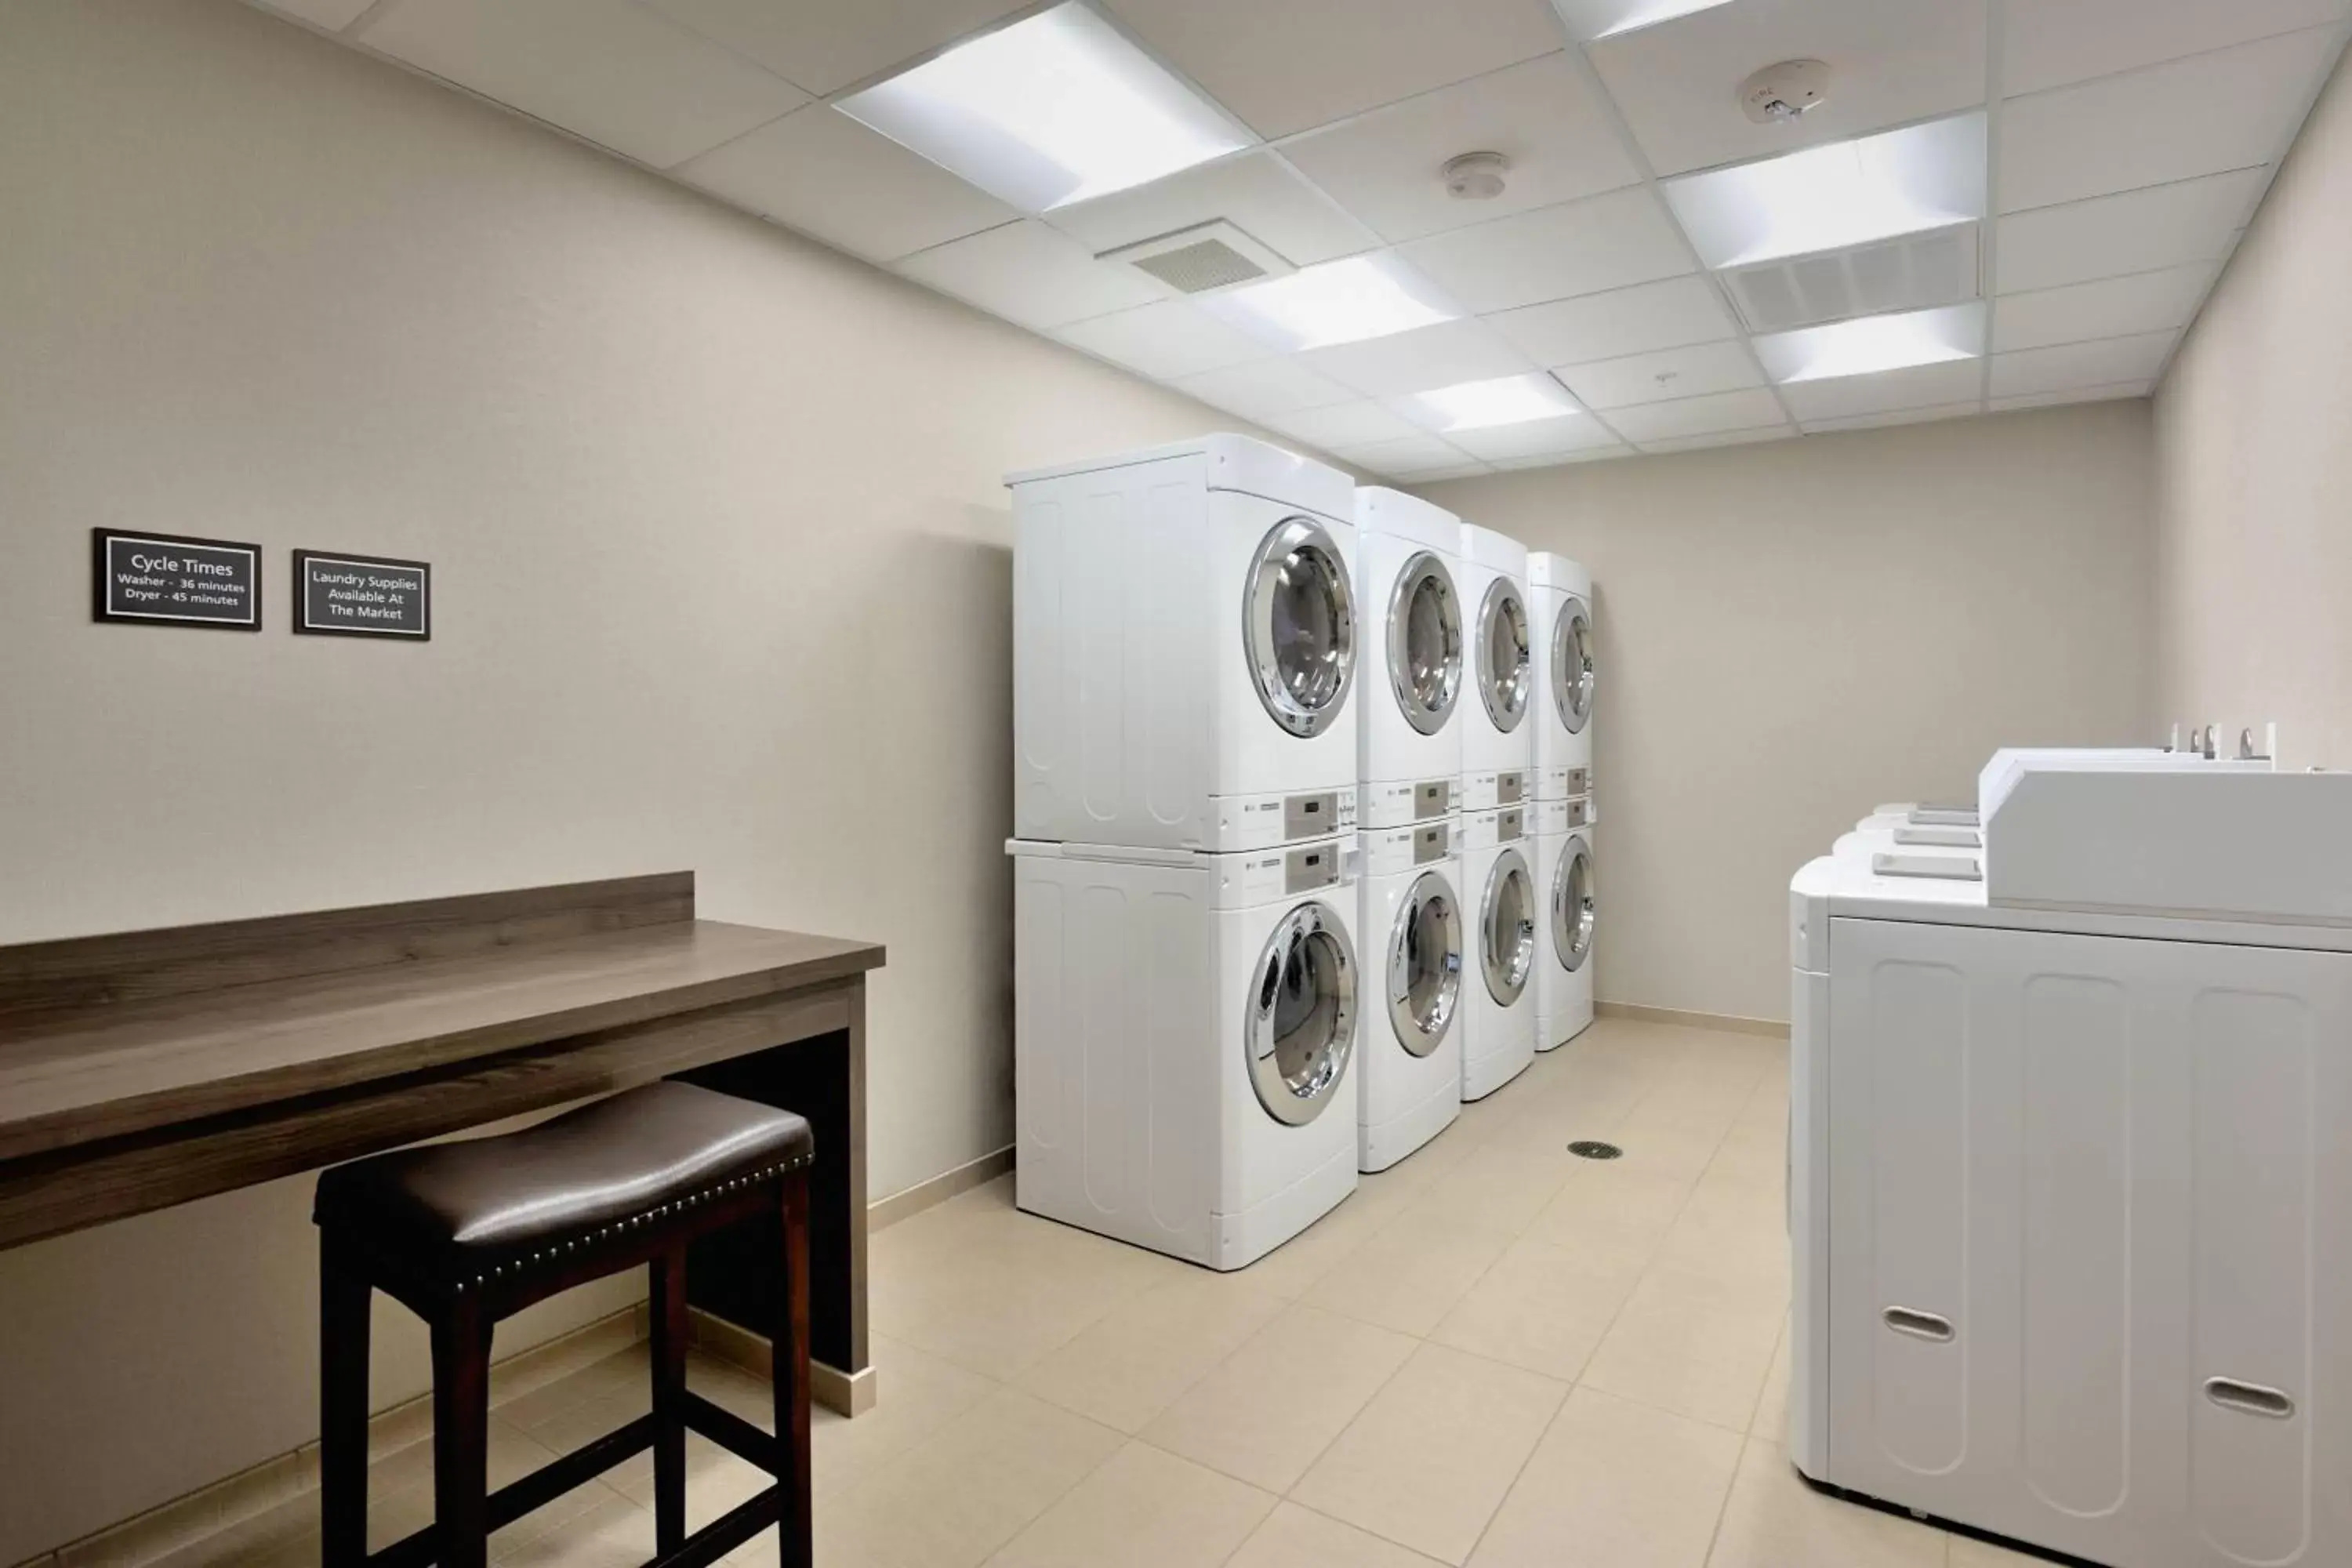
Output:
x=616 y=74
x=1253 y=191
x=2110 y=393
x=1894 y=61
x=2229 y=109
x=1721 y=439
x=1287 y=65
x=1666 y=373
x=1894 y=416
x=1346 y=425
x=1914 y=386
x=2049 y=43
x=828 y=45
x=332 y=15
x=1554 y=253
x=1650 y=422
x=1542 y=114
x=1535 y=438
x=1554 y=459
x=825 y=174
x=1267 y=388
x=2061 y=369
x=1460 y=472
x=2108 y=308
x=1664 y=315
x=1163 y=341
x=1404 y=457
x=2161 y=225
x=1029 y=274
x=1419 y=360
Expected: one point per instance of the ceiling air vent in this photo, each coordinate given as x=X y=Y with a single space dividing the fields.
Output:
x=1204 y=259
x=1911 y=273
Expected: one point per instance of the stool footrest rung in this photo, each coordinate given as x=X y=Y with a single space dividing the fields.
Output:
x=532 y=1492
x=725 y=1533
x=732 y=1433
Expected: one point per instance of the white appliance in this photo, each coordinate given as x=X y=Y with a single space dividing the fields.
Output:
x=2070 y=1192
x=1497 y=741
x=1184 y=1039
x=1499 y=878
x=1413 y=656
x=1563 y=869
x=1184 y=656
x=1559 y=596
x=1417 y=935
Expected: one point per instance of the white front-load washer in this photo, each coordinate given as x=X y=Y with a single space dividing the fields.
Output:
x=1559 y=598
x=1184 y=1042
x=1499 y=878
x=1563 y=863
x=1498 y=740
x=1185 y=648
x=1417 y=935
x=1414 y=655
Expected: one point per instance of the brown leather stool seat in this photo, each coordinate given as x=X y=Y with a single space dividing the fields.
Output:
x=465 y=1234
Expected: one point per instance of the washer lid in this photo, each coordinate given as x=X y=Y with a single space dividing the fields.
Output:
x=1507 y=928
x=1298 y=625
x=1424 y=977
x=1572 y=905
x=1424 y=643
x=1505 y=668
x=1571 y=664
x=1300 y=1024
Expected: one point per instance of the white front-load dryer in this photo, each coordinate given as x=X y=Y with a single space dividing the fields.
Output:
x=1414 y=655
x=1417 y=955
x=1184 y=1042
x=1185 y=648
x=1559 y=596
x=1497 y=738
x=1499 y=878
x=1563 y=863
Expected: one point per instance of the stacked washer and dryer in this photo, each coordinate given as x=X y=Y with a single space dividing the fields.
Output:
x=1560 y=593
x=1497 y=851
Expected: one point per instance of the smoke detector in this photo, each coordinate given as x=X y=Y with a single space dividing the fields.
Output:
x=1779 y=93
x=1475 y=177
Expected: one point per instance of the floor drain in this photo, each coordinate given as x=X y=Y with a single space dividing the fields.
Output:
x=1593 y=1148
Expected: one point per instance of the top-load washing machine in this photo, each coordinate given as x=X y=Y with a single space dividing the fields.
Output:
x=1559 y=598
x=1414 y=655
x=1185 y=1030
x=1185 y=648
x=1498 y=740
x=1417 y=947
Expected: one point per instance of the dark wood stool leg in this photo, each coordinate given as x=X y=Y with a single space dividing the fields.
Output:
x=670 y=1326
x=794 y=1547
x=461 y=1433
x=345 y=1299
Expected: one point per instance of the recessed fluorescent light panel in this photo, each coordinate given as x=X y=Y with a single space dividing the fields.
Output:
x=1590 y=19
x=1829 y=198
x=1874 y=343
x=1050 y=110
x=1338 y=303
x=1480 y=405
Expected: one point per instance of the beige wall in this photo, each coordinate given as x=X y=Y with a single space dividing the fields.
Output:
x=723 y=581
x=1793 y=632
x=2254 y=460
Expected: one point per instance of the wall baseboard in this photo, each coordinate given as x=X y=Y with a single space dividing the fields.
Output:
x=1725 y=1023
x=883 y=1213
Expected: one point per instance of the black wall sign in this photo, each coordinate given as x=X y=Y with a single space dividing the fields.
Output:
x=170 y=581
x=362 y=595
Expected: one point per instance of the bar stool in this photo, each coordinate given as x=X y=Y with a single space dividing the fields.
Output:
x=465 y=1234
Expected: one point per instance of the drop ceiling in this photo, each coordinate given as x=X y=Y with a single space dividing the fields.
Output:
x=2124 y=145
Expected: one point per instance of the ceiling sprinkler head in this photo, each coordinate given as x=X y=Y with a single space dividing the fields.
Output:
x=1779 y=93
x=1475 y=177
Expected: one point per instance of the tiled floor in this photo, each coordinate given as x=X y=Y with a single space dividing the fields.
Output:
x=1496 y=1354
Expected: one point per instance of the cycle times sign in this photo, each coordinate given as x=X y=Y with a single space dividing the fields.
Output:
x=166 y=580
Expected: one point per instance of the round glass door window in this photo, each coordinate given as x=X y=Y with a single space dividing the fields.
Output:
x=1298 y=619
x=1426 y=965
x=1302 y=1014
x=1507 y=931
x=1573 y=907
x=1424 y=643
x=1571 y=665
x=1505 y=669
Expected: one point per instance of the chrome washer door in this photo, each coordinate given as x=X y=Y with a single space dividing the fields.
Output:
x=1425 y=965
x=1301 y=1022
x=1505 y=667
x=1299 y=626
x=1571 y=664
x=1424 y=640
x=1506 y=927
x=1572 y=909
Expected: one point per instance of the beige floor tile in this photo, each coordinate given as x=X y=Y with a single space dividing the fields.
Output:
x=1143 y=1509
x=1681 y=1344
x=1279 y=1400
x=1614 y=1485
x=1132 y=1364
x=1774 y=1519
x=1612 y=1216
x=1296 y=1537
x=951 y=1501
x=1430 y=1458
x=1411 y=1274
x=1540 y=1306
x=1732 y=1232
x=283 y=1537
x=920 y=1393
x=1771 y=1419
x=1293 y=1269
x=1502 y=1184
x=1967 y=1551
x=615 y=1533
